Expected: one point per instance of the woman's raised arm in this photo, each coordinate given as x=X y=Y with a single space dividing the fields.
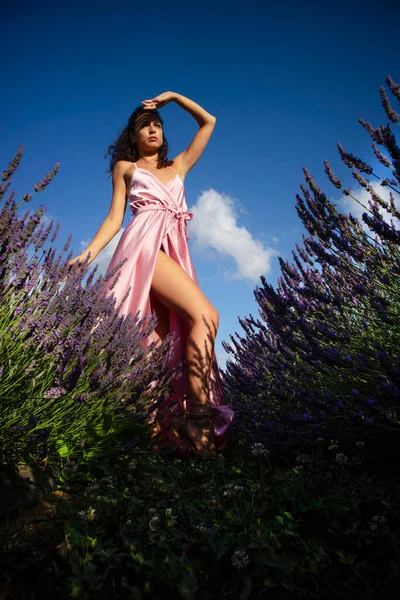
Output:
x=188 y=158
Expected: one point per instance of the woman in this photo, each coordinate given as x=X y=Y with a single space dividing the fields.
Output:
x=158 y=274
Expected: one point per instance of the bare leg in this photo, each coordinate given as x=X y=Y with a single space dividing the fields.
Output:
x=162 y=314
x=176 y=291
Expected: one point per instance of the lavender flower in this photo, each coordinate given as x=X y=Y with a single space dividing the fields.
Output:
x=54 y=392
x=13 y=166
x=381 y=157
x=391 y=114
x=353 y=161
x=38 y=187
x=393 y=86
x=374 y=133
x=55 y=233
x=336 y=182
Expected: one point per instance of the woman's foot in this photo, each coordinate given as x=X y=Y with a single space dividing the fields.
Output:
x=198 y=430
x=164 y=429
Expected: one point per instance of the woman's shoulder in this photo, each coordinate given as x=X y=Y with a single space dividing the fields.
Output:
x=123 y=165
x=123 y=169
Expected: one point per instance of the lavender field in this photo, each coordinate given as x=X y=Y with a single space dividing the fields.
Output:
x=304 y=502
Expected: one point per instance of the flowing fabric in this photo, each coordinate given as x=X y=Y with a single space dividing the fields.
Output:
x=160 y=218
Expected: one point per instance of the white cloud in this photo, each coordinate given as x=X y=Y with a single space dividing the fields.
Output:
x=222 y=357
x=215 y=227
x=347 y=204
x=47 y=218
x=104 y=257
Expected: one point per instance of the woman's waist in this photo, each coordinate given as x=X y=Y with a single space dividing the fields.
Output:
x=179 y=214
x=141 y=207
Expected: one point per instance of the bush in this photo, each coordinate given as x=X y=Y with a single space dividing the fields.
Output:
x=324 y=357
x=72 y=370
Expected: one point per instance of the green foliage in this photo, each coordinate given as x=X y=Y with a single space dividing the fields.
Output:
x=236 y=527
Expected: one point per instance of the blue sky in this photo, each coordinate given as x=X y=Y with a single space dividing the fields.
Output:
x=286 y=81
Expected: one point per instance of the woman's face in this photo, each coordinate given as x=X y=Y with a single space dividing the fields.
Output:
x=148 y=132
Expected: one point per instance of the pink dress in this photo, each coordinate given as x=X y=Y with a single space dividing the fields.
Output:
x=161 y=219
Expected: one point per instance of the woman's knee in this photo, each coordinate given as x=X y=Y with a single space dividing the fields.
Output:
x=180 y=294
x=207 y=315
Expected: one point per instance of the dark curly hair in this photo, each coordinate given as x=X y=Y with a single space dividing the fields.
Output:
x=125 y=149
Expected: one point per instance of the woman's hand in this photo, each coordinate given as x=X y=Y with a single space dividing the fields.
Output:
x=158 y=101
x=81 y=259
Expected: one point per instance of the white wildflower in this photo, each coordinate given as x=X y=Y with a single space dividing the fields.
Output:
x=171 y=519
x=87 y=515
x=303 y=459
x=240 y=559
x=153 y=523
x=128 y=522
x=259 y=450
x=91 y=513
x=106 y=480
x=360 y=444
x=378 y=525
x=106 y=499
x=341 y=458
x=238 y=488
x=379 y=519
x=202 y=528
x=320 y=555
x=232 y=489
x=92 y=489
x=273 y=538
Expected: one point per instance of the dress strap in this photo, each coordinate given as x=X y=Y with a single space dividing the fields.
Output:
x=135 y=166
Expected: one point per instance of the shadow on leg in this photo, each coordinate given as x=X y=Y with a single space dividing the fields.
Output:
x=177 y=292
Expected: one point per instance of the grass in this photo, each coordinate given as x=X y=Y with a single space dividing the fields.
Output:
x=240 y=526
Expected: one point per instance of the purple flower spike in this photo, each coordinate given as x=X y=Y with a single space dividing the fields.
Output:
x=336 y=182
x=13 y=166
x=363 y=182
x=38 y=187
x=353 y=161
x=394 y=87
x=55 y=233
x=392 y=115
x=381 y=157
x=374 y=133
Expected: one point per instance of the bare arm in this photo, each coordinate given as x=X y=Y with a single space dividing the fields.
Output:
x=189 y=157
x=202 y=116
x=113 y=222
